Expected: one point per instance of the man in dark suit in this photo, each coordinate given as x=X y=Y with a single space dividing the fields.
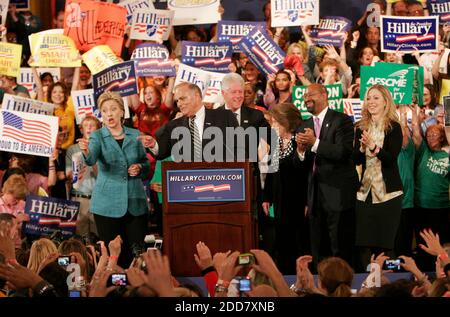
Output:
x=325 y=144
x=233 y=86
x=199 y=135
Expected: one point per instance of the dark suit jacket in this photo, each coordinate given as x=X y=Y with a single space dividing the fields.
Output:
x=218 y=118
x=392 y=146
x=253 y=118
x=335 y=179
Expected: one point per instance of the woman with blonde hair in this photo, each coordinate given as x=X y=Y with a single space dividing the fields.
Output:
x=378 y=141
x=118 y=202
x=40 y=250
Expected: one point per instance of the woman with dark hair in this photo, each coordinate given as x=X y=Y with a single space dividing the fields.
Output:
x=285 y=191
x=253 y=75
x=431 y=195
x=278 y=89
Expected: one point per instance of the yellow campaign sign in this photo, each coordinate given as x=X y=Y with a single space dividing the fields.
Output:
x=445 y=90
x=99 y=58
x=10 y=57
x=53 y=50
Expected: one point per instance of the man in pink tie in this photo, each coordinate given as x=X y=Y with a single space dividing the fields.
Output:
x=324 y=144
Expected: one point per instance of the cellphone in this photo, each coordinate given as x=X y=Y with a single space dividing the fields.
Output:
x=118 y=279
x=245 y=285
x=64 y=260
x=393 y=265
x=74 y=293
x=246 y=259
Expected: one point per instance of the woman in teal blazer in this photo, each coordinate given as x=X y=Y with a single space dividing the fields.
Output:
x=118 y=202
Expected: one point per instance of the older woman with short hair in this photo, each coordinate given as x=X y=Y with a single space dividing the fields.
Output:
x=118 y=202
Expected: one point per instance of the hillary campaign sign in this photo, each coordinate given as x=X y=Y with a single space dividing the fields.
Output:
x=194 y=11
x=294 y=12
x=120 y=78
x=402 y=80
x=132 y=5
x=84 y=104
x=53 y=50
x=48 y=214
x=205 y=185
x=440 y=8
x=192 y=75
x=213 y=91
x=153 y=25
x=409 y=34
x=152 y=60
x=233 y=31
x=26 y=77
x=334 y=99
x=207 y=56
x=17 y=103
x=28 y=133
x=331 y=30
x=100 y=58
x=10 y=58
x=91 y=23
x=262 y=51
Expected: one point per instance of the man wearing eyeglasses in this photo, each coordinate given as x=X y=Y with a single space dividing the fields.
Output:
x=324 y=146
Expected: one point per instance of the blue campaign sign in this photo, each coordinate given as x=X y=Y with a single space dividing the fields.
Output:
x=408 y=35
x=231 y=32
x=205 y=185
x=213 y=57
x=152 y=60
x=48 y=215
x=120 y=78
x=440 y=8
x=262 y=51
x=331 y=30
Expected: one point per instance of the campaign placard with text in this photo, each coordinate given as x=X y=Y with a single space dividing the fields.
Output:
x=262 y=51
x=294 y=12
x=152 y=60
x=409 y=34
x=214 y=57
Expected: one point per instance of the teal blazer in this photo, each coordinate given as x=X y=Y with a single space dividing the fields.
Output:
x=115 y=192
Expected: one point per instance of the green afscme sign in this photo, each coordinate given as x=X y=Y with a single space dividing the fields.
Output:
x=405 y=82
x=334 y=99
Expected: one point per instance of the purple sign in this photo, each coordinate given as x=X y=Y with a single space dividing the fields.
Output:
x=48 y=215
x=205 y=185
x=440 y=8
x=409 y=34
x=262 y=51
x=213 y=57
x=120 y=78
x=231 y=32
x=152 y=60
x=331 y=30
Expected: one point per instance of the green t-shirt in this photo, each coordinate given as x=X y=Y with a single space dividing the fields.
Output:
x=432 y=178
x=405 y=163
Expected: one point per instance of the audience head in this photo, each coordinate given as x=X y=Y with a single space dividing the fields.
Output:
x=40 y=250
x=335 y=277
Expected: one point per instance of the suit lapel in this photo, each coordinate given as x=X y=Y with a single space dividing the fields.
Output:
x=109 y=139
x=326 y=124
x=245 y=117
x=128 y=137
x=207 y=123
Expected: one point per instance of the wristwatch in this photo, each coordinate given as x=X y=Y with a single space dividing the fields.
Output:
x=42 y=287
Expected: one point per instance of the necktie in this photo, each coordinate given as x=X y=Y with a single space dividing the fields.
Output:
x=317 y=133
x=237 y=118
x=195 y=136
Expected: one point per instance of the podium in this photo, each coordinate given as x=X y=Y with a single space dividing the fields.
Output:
x=210 y=202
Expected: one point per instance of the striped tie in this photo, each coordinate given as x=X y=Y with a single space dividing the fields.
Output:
x=195 y=136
